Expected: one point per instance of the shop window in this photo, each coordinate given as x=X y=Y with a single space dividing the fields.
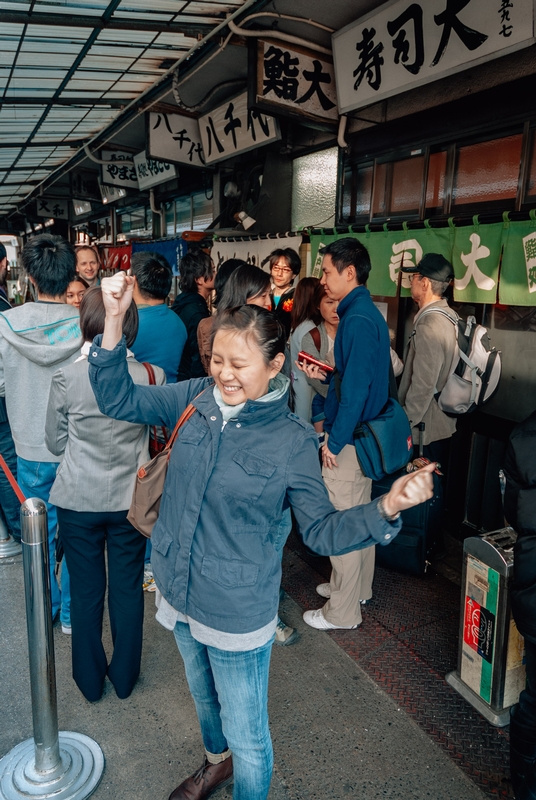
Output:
x=314 y=189
x=530 y=186
x=435 y=185
x=487 y=172
x=398 y=187
x=136 y=221
x=169 y=213
x=202 y=211
x=357 y=192
x=183 y=211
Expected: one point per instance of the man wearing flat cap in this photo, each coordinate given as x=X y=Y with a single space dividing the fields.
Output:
x=430 y=354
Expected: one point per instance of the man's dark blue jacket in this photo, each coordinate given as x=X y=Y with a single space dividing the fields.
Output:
x=362 y=359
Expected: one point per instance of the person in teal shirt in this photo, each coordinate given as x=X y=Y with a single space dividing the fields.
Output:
x=161 y=334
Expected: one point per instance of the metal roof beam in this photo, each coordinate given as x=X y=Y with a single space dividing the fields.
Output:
x=114 y=23
x=65 y=101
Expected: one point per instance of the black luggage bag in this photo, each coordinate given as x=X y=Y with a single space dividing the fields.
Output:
x=410 y=551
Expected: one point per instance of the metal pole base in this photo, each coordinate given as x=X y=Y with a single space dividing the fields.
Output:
x=9 y=548
x=498 y=718
x=75 y=778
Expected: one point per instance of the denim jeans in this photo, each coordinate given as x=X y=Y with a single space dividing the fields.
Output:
x=230 y=691
x=35 y=479
x=8 y=498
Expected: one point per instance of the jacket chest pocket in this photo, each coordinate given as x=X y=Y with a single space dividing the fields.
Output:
x=192 y=433
x=246 y=476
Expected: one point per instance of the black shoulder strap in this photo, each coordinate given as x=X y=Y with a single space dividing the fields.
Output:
x=315 y=336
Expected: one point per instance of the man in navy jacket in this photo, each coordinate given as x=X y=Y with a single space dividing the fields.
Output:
x=362 y=361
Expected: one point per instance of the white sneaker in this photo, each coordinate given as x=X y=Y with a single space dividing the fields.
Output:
x=317 y=620
x=66 y=629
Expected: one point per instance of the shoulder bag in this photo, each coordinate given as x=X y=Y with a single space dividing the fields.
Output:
x=383 y=445
x=150 y=478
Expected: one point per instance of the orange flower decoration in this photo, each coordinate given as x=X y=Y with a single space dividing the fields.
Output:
x=287 y=305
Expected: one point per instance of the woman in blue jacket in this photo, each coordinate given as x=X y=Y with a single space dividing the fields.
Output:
x=238 y=463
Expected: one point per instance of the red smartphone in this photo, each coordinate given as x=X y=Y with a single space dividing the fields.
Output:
x=303 y=356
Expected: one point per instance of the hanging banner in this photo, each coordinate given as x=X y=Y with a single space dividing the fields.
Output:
x=292 y=81
x=388 y=251
x=517 y=286
x=172 y=250
x=233 y=128
x=476 y=256
x=253 y=251
x=151 y=172
x=114 y=258
x=402 y=45
x=120 y=171
x=172 y=137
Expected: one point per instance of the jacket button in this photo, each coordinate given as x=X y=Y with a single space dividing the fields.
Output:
x=213 y=419
x=94 y=355
x=238 y=425
x=387 y=535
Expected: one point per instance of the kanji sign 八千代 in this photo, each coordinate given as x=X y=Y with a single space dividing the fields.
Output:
x=233 y=128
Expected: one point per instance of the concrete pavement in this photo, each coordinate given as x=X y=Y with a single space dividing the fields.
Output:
x=336 y=734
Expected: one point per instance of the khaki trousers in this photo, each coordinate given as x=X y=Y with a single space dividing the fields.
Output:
x=352 y=574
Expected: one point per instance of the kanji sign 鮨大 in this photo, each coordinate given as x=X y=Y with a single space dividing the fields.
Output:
x=172 y=137
x=151 y=172
x=293 y=81
x=403 y=44
x=233 y=128
x=120 y=171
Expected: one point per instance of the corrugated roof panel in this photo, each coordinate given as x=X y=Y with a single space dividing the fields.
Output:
x=171 y=6
x=96 y=86
x=127 y=37
x=56 y=33
x=94 y=60
x=96 y=7
x=31 y=57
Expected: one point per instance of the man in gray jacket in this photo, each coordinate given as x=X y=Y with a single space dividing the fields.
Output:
x=35 y=340
x=430 y=354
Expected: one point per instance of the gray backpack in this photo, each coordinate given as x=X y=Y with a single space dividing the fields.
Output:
x=476 y=368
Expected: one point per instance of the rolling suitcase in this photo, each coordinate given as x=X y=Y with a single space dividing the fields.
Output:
x=410 y=551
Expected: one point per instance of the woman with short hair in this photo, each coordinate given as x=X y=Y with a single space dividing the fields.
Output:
x=92 y=492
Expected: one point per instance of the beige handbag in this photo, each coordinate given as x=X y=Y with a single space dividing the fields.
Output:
x=150 y=478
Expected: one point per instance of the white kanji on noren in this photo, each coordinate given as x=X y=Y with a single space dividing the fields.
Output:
x=478 y=252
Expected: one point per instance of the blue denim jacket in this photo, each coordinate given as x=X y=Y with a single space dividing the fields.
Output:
x=215 y=545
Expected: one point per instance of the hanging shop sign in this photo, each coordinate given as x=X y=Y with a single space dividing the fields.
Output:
x=151 y=172
x=175 y=138
x=120 y=171
x=49 y=207
x=110 y=194
x=84 y=185
x=517 y=286
x=402 y=45
x=292 y=81
x=233 y=128
x=252 y=249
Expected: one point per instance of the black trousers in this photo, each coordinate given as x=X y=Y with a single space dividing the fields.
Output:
x=85 y=535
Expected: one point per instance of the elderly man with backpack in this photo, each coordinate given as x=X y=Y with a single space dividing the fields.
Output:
x=430 y=354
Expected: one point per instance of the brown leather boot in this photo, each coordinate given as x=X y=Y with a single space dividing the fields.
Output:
x=205 y=781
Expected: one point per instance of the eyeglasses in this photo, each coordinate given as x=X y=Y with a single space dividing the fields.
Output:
x=282 y=270
x=412 y=275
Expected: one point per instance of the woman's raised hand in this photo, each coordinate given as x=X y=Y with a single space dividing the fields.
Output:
x=410 y=490
x=117 y=293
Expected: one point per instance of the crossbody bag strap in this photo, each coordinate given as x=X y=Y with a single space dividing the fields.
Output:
x=184 y=417
x=315 y=336
x=152 y=382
